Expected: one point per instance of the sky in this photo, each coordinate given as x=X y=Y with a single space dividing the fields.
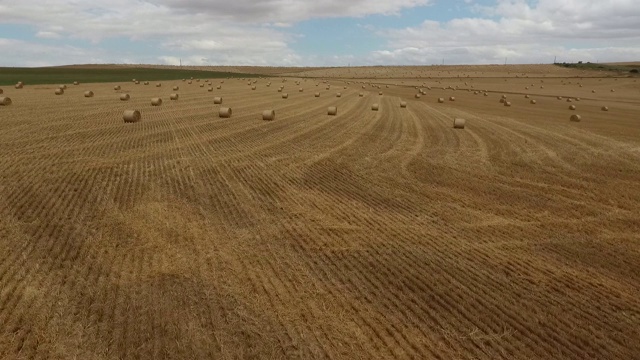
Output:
x=317 y=32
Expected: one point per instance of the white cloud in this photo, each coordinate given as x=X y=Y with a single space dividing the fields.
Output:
x=48 y=35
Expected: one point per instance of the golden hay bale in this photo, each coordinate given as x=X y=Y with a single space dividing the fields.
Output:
x=332 y=110
x=59 y=91
x=417 y=96
x=533 y=102
x=217 y=100
x=526 y=96
x=137 y=82
x=158 y=85
x=19 y=86
x=202 y=85
x=268 y=115
x=577 y=99
x=317 y=94
x=605 y=108
x=63 y=87
x=224 y=112
x=176 y=88
x=124 y=97
x=361 y=95
x=375 y=107
x=131 y=116
x=156 y=101
x=5 y=101
x=559 y=97
x=280 y=90
x=301 y=90
x=441 y=100
x=174 y=97
x=76 y=83
x=403 y=104
x=459 y=123
x=379 y=92
x=88 y=94
x=210 y=89
x=486 y=94
x=593 y=91
x=569 y=100
x=503 y=96
x=452 y=98
x=338 y=94
x=612 y=90
x=117 y=87
x=219 y=87
x=507 y=103
x=146 y=83
x=253 y=87
x=285 y=96
x=572 y=107
x=575 y=117
x=134 y=80
x=189 y=82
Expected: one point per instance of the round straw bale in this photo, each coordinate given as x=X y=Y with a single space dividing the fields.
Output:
x=210 y=89
x=219 y=87
x=217 y=100
x=533 y=102
x=417 y=96
x=575 y=117
x=605 y=108
x=559 y=97
x=59 y=91
x=146 y=83
x=375 y=107
x=224 y=112
x=459 y=123
x=507 y=103
x=332 y=110
x=174 y=97
x=268 y=115
x=403 y=104
x=124 y=97
x=486 y=94
x=338 y=95
x=63 y=87
x=202 y=85
x=189 y=82
x=176 y=88
x=577 y=99
x=285 y=96
x=5 y=101
x=159 y=85
x=317 y=94
x=526 y=96
x=569 y=100
x=440 y=100
x=503 y=96
x=452 y=98
x=88 y=94
x=572 y=107
x=379 y=92
x=613 y=90
x=361 y=95
x=76 y=83
x=280 y=90
x=117 y=87
x=19 y=86
x=131 y=116
x=253 y=87
x=301 y=90
x=156 y=101
x=136 y=82
x=345 y=88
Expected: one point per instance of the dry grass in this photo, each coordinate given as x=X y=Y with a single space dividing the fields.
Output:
x=364 y=235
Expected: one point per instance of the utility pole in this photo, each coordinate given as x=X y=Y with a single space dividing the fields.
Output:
x=554 y=59
x=180 y=62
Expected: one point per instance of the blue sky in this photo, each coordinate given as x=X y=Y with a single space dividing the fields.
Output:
x=317 y=33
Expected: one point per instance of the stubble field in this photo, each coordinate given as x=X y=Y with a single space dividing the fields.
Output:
x=370 y=234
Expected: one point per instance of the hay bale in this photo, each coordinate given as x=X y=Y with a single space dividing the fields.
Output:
x=19 y=86
x=224 y=112
x=459 y=123
x=5 y=101
x=301 y=90
x=176 y=88
x=338 y=95
x=332 y=110
x=285 y=96
x=452 y=98
x=219 y=87
x=375 y=107
x=131 y=116
x=572 y=107
x=441 y=100
x=559 y=97
x=379 y=92
x=403 y=104
x=137 y=82
x=417 y=96
x=533 y=102
x=146 y=83
x=156 y=101
x=575 y=117
x=317 y=94
x=189 y=82
x=526 y=96
x=217 y=100
x=202 y=85
x=76 y=83
x=604 y=108
x=569 y=100
x=117 y=87
x=210 y=89
x=158 y=85
x=268 y=115
x=63 y=87
x=361 y=95
x=174 y=97
x=59 y=91
x=507 y=103
x=88 y=94
x=124 y=97
x=253 y=87
x=280 y=90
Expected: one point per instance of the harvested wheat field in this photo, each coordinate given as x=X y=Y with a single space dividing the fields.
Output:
x=384 y=234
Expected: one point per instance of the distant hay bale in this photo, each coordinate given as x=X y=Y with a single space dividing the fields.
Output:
x=441 y=100
x=63 y=87
x=379 y=92
x=459 y=123
x=176 y=88
x=403 y=104
x=136 y=82
x=559 y=97
x=210 y=89
x=361 y=94
x=146 y=83
x=338 y=95
x=572 y=107
x=417 y=96
x=174 y=97
x=375 y=107
x=613 y=90
x=158 y=85
x=507 y=103
x=217 y=100
x=88 y=94
x=117 y=87
x=76 y=83
x=253 y=87
x=503 y=96
x=577 y=99
x=19 y=86
x=59 y=91
x=569 y=100
x=301 y=90
x=285 y=96
x=219 y=87
x=268 y=115
x=526 y=96
x=124 y=97
x=5 y=101
x=131 y=116
x=575 y=117
x=224 y=112
x=452 y=98
x=189 y=82
x=202 y=85
x=604 y=108
x=533 y=102
x=345 y=88
x=317 y=94
x=133 y=80
x=593 y=91
x=280 y=90
x=156 y=101
x=332 y=110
